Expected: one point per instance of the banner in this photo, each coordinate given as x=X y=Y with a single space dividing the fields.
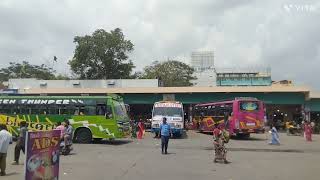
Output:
x=42 y=155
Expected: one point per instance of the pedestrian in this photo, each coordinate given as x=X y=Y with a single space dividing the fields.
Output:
x=68 y=132
x=133 y=129
x=304 y=124
x=165 y=131
x=308 y=131
x=61 y=127
x=5 y=139
x=220 y=151
x=141 y=129
x=20 y=144
x=274 y=136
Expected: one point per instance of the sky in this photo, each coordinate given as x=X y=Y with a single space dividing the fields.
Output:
x=281 y=34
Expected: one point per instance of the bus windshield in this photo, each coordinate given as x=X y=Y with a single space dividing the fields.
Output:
x=167 y=111
x=120 y=109
x=249 y=106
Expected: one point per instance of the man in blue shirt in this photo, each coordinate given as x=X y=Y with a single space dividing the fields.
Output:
x=165 y=131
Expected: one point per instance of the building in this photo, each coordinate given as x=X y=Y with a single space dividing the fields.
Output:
x=285 y=102
x=243 y=77
x=23 y=84
x=205 y=78
x=202 y=60
x=203 y=64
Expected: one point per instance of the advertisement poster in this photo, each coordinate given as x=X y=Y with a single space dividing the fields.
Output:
x=42 y=155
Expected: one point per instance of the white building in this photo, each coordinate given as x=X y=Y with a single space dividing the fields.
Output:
x=205 y=78
x=24 y=84
x=201 y=60
x=203 y=64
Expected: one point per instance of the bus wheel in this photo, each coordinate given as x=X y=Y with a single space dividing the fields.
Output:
x=83 y=136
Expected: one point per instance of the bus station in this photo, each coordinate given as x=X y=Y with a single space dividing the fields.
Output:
x=283 y=102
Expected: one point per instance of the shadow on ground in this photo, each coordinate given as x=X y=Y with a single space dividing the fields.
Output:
x=12 y=174
x=116 y=142
x=259 y=150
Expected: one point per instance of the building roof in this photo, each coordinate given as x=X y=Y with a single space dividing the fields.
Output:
x=314 y=95
x=155 y=90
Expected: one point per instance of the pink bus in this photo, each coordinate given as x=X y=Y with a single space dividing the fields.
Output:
x=240 y=116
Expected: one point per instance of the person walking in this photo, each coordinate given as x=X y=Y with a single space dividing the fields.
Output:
x=165 y=131
x=274 y=136
x=5 y=139
x=220 y=151
x=133 y=129
x=141 y=129
x=308 y=131
x=20 y=145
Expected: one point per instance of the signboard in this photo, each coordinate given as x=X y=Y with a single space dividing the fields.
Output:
x=40 y=101
x=42 y=155
x=174 y=105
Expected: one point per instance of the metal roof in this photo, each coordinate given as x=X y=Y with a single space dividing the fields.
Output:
x=168 y=90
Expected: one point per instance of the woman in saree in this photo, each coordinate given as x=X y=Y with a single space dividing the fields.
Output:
x=219 y=148
x=308 y=131
x=274 y=136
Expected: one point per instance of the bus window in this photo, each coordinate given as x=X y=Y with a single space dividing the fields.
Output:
x=6 y=109
x=63 y=110
x=76 y=111
x=249 y=106
x=101 y=109
x=53 y=110
x=119 y=109
x=82 y=110
x=35 y=110
x=109 y=114
x=90 y=110
x=24 y=109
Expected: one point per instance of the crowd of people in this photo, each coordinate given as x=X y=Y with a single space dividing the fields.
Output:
x=6 y=139
x=305 y=129
x=137 y=129
x=220 y=138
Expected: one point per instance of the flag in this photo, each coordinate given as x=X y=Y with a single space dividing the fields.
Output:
x=55 y=58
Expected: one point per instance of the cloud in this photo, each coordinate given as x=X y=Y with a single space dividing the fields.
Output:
x=281 y=34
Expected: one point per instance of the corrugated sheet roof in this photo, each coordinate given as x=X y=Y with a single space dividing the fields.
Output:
x=314 y=95
x=151 y=90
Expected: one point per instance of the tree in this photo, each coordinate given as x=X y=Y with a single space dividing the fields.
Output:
x=171 y=73
x=62 y=77
x=26 y=70
x=103 y=55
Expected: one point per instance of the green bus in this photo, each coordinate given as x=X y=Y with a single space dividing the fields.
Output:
x=92 y=117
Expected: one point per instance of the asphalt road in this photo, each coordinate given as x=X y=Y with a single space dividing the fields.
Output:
x=189 y=158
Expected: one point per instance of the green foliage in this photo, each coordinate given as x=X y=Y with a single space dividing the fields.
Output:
x=103 y=55
x=171 y=73
x=26 y=70
x=62 y=77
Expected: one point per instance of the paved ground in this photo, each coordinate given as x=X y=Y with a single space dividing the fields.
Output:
x=189 y=158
